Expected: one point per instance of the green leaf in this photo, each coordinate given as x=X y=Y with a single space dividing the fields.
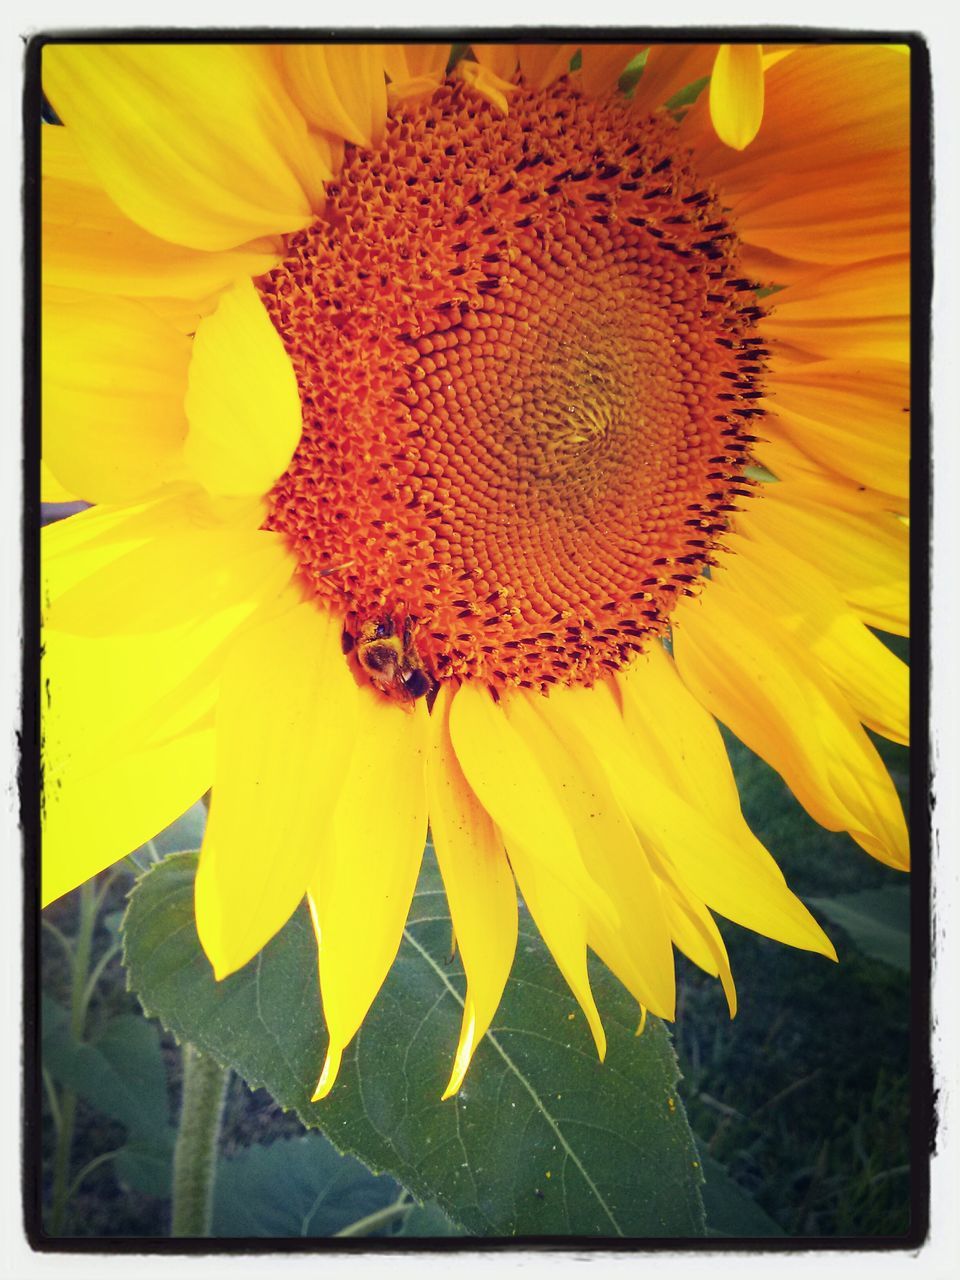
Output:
x=878 y=921
x=121 y=1072
x=304 y=1187
x=731 y=1211
x=296 y=1187
x=543 y=1139
x=146 y=1163
x=426 y=1221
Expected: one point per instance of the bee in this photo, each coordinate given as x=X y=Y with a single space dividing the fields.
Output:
x=390 y=659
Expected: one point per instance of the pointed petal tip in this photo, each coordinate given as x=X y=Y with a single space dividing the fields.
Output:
x=902 y=857
x=222 y=966
x=468 y=1038
x=207 y=944
x=596 y=1027
x=819 y=942
x=730 y=991
x=328 y=1076
x=221 y=962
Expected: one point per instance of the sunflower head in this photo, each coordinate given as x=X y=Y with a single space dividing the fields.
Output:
x=465 y=442
x=528 y=363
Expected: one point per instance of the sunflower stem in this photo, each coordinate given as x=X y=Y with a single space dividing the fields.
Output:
x=89 y=905
x=195 y=1153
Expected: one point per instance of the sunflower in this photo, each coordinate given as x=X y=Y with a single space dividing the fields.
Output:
x=465 y=438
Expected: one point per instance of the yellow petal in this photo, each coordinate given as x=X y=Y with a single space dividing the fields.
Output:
x=602 y=65
x=696 y=934
x=561 y=918
x=414 y=69
x=126 y=743
x=105 y=698
x=400 y=92
x=185 y=314
x=199 y=144
x=682 y=742
x=367 y=865
x=91 y=819
x=542 y=64
x=73 y=549
x=674 y=738
x=825 y=107
x=173 y=580
x=113 y=382
x=755 y=677
x=840 y=214
x=851 y=313
x=677 y=740
x=285 y=725
x=340 y=88
x=118 y=687
x=864 y=553
x=638 y=949
x=512 y=785
x=479 y=885
x=88 y=243
x=501 y=59
x=668 y=69
x=51 y=490
x=852 y=417
x=826 y=181
x=736 y=93
x=713 y=854
x=487 y=83
x=242 y=400
x=875 y=681
x=407 y=61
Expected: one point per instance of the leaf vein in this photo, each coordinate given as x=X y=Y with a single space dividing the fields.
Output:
x=594 y=1189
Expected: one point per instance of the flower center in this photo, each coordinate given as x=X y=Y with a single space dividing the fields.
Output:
x=528 y=368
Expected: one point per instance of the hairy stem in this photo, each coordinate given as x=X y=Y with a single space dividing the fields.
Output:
x=195 y=1153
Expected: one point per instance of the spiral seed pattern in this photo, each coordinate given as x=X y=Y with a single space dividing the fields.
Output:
x=529 y=370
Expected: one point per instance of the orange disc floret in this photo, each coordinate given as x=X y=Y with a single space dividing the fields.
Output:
x=528 y=368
